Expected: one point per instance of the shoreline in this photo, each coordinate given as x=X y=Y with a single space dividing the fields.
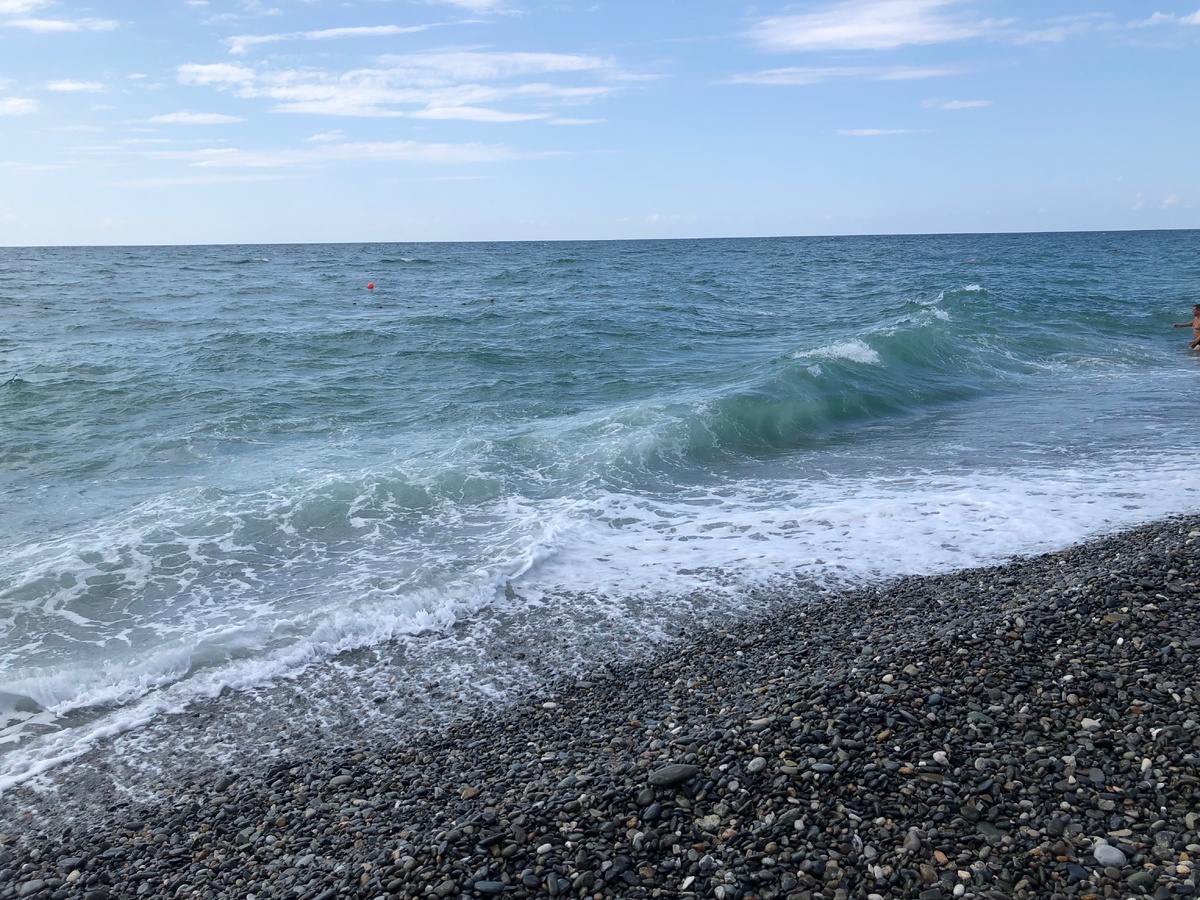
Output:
x=1027 y=730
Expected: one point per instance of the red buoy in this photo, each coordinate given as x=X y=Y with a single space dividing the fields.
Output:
x=370 y=285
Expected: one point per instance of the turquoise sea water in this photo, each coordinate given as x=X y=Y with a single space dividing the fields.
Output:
x=234 y=477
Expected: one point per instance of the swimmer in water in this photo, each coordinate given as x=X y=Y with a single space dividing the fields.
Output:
x=1194 y=325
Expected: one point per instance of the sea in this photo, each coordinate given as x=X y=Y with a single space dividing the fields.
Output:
x=255 y=499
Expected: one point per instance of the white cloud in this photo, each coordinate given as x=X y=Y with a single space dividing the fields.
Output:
x=58 y=26
x=799 y=75
x=32 y=168
x=193 y=180
x=956 y=104
x=190 y=118
x=878 y=132
x=1054 y=35
x=1170 y=201
x=1167 y=18
x=911 y=73
x=20 y=7
x=478 y=6
x=481 y=65
x=867 y=25
x=326 y=136
x=1155 y=19
x=1158 y=18
x=221 y=74
x=17 y=106
x=474 y=114
x=462 y=84
x=70 y=87
x=331 y=152
x=238 y=45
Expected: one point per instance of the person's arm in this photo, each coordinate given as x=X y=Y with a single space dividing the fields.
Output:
x=1190 y=324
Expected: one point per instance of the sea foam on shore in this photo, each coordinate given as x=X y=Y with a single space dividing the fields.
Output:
x=1030 y=730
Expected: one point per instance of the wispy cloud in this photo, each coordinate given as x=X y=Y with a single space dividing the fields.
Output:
x=17 y=106
x=191 y=118
x=1054 y=34
x=22 y=168
x=485 y=65
x=474 y=114
x=879 y=132
x=75 y=87
x=1158 y=18
x=20 y=7
x=476 y=6
x=335 y=151
x=1155 y=19
x=240 y=44
x=799 y=75
x=868 y=25
x=465 y=84
x=956 y=104
x=1059 y=30
x=193 y=180
x=58 y=26
x=218 y=74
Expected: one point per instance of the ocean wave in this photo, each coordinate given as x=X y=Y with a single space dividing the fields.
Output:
x=854 y=350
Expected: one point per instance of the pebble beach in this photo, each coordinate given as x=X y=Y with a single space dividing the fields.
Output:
x=1029 y=730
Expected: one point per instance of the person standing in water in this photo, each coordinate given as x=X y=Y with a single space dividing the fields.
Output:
x=1194 y=325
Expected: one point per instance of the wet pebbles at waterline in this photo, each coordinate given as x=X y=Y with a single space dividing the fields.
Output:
x=1026 y=731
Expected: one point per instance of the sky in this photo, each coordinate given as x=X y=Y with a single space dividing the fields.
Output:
x=265 y=121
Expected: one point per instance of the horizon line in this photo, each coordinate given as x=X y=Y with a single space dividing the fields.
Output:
x=761 y=237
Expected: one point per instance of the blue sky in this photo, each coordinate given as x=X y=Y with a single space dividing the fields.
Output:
x=233 y=121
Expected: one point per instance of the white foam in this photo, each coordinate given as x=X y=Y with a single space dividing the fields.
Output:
x=854 y=350
x=581 y=550
x=852 y=530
